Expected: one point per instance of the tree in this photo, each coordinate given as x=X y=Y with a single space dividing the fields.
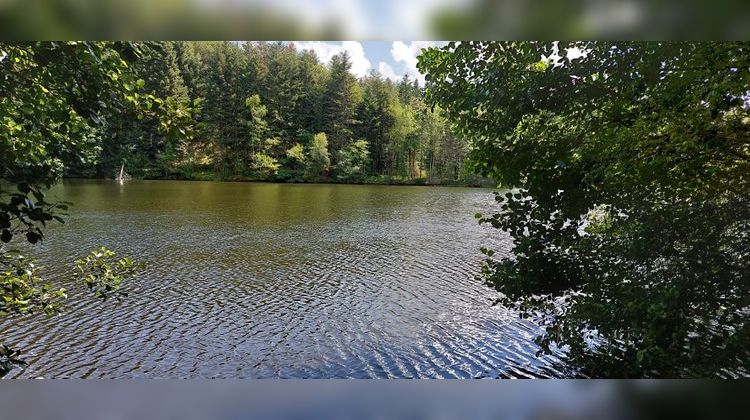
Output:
x=55 y=98
x=281 y=90
x=143 y=145
x=216 y=133
x=225 y=111
x=312 y=75
x=192 y=68
x=198 y=151
x=408 y=89
x=353 y=162
x=297 y=155
x=262 y=148
x=403 y=138
x=318 y=161
x=442 y=153
x=263 y=164
x=339 y=103
x=375 y=119
x=630 y=208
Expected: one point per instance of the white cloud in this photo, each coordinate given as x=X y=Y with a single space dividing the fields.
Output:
x=407 y=54
x=386 y=71
x=360 y=63
x=325 y=50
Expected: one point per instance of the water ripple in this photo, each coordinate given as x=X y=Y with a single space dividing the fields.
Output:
x=280 y=281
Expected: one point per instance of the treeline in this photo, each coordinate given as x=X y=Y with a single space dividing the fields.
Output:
x=267 y=111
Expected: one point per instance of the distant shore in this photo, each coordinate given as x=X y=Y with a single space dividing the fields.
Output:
x=422 y=182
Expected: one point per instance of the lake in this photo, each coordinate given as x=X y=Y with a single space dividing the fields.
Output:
x=263 y=280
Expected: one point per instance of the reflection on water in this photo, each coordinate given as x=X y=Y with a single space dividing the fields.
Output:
x=248 y=280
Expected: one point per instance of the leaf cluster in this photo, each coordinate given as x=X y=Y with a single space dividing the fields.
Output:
x=630 y=169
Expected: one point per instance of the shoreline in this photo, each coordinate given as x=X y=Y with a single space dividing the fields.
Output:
x=479 y=184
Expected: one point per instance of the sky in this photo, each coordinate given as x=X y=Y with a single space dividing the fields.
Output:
x=363 y=19
x=391 y=59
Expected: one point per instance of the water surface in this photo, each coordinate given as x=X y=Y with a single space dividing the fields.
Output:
x=259 y=280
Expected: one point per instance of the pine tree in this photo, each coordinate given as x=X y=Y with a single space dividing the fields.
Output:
x=340 y=100
x=281 y=90
x=375 y=116
x=139 y=144
x=226 y=114
x=312 y=76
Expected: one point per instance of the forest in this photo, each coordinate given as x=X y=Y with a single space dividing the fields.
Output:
x=267 y=111
x=625 y=212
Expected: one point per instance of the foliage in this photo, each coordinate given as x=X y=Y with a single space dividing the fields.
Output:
x=230 y=121
x=257 y=127
x=353 y=161
x=102 y=274
x=264 y=164
x=281 y=88
x=630 y=211
x=376 y=119
x=50 y=95
x=339 y=102
x=295 y=163
x=22 y=290
x=148 y=143
x=55 y=97
x=56 y=101
x=318 y=161
x=193 y=106
x=405 y=140
x=297 y=153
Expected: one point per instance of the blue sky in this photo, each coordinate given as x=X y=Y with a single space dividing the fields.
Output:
x=392 y=59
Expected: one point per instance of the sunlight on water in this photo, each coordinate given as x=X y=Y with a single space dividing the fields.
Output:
x=249 y=280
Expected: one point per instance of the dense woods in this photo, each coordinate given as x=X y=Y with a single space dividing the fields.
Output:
x=266 y=111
